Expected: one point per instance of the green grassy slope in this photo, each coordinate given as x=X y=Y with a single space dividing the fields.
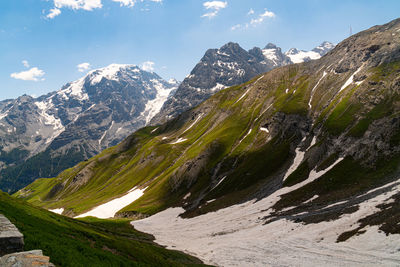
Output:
x=89 y=242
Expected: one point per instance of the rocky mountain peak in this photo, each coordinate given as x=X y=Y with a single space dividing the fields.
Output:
x=270 y=46
x=292 y=51
x=324 y=48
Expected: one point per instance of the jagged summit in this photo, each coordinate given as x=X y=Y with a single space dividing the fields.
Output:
x=270 y=46
x=324 y=48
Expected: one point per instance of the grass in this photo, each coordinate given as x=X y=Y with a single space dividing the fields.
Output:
x=384 y=108
x=342 y=115
x=87 y=242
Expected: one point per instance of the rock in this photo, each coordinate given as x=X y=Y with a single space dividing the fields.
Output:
x=26 y=258
x=11 y=240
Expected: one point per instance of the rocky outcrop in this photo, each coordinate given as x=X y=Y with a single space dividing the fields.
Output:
x=11 y=240
x=12 y=246
x=26 y=259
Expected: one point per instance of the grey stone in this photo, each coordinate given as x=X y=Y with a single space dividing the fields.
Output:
x=26 y=259
x=11 y=240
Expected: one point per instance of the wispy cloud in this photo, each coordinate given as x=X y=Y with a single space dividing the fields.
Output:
x=128 y=3
x=54 y=12
x=148 y=66
x=255 y=20
x=83 y=67
x=25 y=63
x=34 y=74
x=87 y=5
x=214 y=7
x=131 y=3
x=262 y=17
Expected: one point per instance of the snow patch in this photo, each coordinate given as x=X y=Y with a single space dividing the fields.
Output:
x=245 y=93
x=180 y=140
x=110 y=72
x=218 y=87
x=350 y=80
x=238 y=236
x=297 y=56
x=296 y=162
x=245 y=136
x=109 y=209
x=154 y=106
x=271 y=55
x=194 y=123
x=264 y=129
x=312 y=91
x=58 y=211
x=220 y=181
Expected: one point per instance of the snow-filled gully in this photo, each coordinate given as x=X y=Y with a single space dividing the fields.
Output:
x=109 y=209
x=237 y=236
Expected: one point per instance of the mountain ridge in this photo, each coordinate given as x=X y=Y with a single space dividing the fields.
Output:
x=228 y=66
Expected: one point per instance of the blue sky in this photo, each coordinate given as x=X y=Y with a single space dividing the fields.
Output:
x=47 y=39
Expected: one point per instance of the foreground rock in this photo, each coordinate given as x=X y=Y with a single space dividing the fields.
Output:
x=26 y=258
x=11 y=240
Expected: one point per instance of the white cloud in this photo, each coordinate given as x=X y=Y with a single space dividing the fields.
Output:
x=148 y=66
x=25 y=63
x=255 y=21
x=83 y=67
x=34 y=74
x=88 y=5
x=214 y=7
x=262 y=17
x=54 y=12
x=235 y=27
x=128 y=3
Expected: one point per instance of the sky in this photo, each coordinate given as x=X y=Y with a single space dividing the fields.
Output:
x=46 y=43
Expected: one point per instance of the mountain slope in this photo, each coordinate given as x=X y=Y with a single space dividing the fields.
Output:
x=227 y=66
x=75 y=123
x=90 y=242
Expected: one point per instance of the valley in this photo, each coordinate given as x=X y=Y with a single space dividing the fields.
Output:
x=256 y=158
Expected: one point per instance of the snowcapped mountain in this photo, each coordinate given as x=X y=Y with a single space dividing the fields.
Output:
x=82 y=118
x=298 y=56
x=227 y=66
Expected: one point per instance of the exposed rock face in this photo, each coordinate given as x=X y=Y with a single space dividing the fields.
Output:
x=227 y=66
x=11 y=240
x=26 y=259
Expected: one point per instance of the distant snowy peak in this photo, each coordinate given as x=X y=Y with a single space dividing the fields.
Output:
x=324 y=48
x=174 y=82
x=298 y=56
x=274 y=55
x=111 y=72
